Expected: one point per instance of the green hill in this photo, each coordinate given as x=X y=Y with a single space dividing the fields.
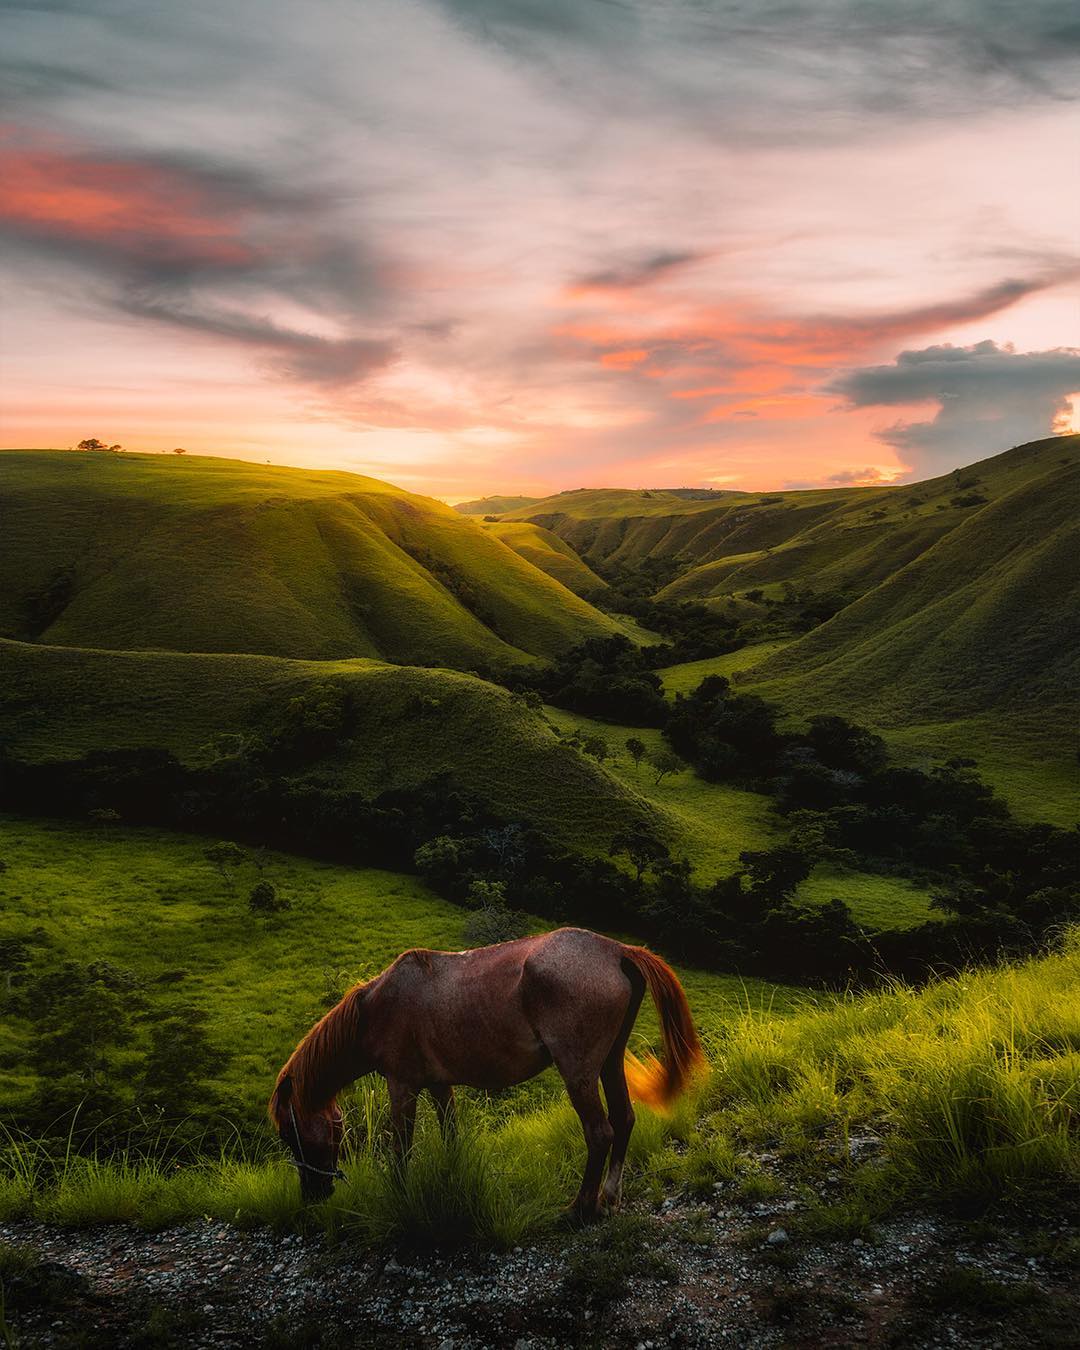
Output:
x=838 y=539
x=213 y=555
x=988 y=616
x=972 y=648
x=493 y=506
x=406 y=725
x=550 y=553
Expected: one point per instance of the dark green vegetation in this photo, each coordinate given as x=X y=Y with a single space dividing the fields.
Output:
x=383 y=727
x=210 y=555
x=948 y=612
x=705 y=780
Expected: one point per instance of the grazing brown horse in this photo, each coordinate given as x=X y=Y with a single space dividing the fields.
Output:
x=489 y=1018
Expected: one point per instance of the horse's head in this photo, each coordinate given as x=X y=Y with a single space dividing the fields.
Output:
x=313 y=1138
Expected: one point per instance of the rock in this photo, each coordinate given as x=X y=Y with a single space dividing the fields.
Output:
x=777 y=1237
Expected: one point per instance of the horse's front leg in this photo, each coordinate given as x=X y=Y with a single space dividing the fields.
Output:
x=445 y=1108
x=402 y=1117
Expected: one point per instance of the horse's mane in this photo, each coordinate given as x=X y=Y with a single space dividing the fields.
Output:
x=324 y=1059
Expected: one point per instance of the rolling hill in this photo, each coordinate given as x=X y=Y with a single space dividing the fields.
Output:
x=493 y=506
x=840 y=539
x=212 y=555
x=962 y=631
x=407 y=725
x=550 y=553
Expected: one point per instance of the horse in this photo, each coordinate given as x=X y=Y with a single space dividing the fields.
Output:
x=489 y=1018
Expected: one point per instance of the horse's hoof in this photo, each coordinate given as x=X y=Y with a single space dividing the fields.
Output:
x=577 y=1216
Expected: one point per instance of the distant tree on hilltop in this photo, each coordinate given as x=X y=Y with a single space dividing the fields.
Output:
x=92 y=443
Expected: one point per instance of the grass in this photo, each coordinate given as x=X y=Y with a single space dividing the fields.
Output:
x=983 y=621
x=214 y=555
x=150 y=901
x=973 y=1085
x=409 y=725
x=685 y=678
x=547 y=551
x=963 y=634
x=712 y=823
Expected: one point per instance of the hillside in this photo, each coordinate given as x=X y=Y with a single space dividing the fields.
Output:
x=493 y=506
x=840 y=539
x=550 y=553
x=988 y=616
x=213 y=555
x=406 y=726
x=971 y=649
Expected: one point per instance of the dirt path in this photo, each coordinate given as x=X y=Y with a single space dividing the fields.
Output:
x=692 y=1275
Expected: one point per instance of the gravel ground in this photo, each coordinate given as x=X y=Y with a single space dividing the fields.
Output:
x=696 y=1275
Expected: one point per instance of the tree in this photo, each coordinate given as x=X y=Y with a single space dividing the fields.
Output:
x=179 y=450
x=225 y=856
x=636 y=750
x=665 y=762
x=595 y=746
x=83 y=1016
x=642 y=848
x=92 y=443
x=179 y=1059
x=492 y=919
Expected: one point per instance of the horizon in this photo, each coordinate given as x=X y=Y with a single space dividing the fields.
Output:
x=493 y=494
x=470 y=246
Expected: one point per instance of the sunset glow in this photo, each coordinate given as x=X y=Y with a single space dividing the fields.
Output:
x=474 y=246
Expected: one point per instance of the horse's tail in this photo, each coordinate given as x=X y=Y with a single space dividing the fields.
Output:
x=650 y=1081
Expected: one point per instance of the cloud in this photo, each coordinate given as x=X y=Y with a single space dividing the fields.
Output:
x=197 y=247
x=797 y=68
x=988 y=397
x=635 y=273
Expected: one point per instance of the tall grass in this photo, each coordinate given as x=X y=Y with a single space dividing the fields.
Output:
x=971 y=1084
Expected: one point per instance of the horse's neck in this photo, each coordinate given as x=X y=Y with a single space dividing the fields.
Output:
x=332 y=1055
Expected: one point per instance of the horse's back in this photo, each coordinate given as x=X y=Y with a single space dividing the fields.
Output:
x=576 y=958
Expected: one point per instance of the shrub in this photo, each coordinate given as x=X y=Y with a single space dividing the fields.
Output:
x=264 y=899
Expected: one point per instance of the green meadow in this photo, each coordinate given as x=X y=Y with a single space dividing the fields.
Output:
x=193 y=605
x=974 y=1082
x=150 y=901
x=712 y=823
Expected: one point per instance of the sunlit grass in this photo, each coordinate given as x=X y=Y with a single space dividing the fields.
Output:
x=972 y=1085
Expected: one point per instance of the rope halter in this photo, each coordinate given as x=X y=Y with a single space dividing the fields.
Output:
x=301 y=1164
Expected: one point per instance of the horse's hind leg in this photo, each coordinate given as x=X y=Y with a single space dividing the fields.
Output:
x=584 y=1095
x=613 y=1077
x=621 y=1118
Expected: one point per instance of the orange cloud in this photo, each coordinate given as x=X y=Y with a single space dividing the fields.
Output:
x=54 y=193
x=624 y=360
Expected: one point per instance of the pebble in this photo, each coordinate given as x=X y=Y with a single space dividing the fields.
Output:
x=472 y=1299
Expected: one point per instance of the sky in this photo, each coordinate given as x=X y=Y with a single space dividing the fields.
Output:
x=478 y=246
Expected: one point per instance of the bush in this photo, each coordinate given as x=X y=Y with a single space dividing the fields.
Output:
x=264 y=899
